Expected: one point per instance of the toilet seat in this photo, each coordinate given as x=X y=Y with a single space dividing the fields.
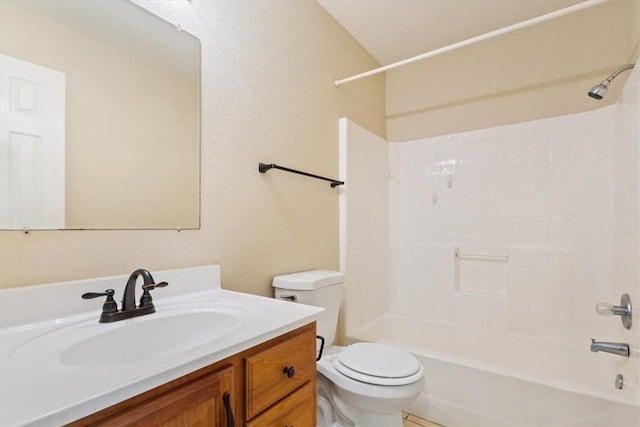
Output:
x=378 y=364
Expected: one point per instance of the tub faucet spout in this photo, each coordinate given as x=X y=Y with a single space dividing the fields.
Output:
x=621 y=349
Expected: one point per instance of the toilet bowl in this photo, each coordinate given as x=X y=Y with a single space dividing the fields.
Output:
x=368 y=384
x=361 y=385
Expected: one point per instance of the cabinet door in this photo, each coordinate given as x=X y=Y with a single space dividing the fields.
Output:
x=296 y=410
x=195 y=403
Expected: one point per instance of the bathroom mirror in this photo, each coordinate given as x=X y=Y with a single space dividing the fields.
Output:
x=100 y=117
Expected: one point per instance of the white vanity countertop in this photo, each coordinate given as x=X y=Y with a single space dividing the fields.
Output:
x=39 y=389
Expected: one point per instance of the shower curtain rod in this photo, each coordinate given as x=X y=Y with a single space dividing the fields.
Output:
x=567 y=10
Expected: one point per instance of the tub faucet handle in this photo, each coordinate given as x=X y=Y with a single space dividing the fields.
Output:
x=623 y=310
x=604 y=308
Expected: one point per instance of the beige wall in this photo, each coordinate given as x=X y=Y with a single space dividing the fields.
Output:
x=123 y=170
x=267 y=96
x=541 y=71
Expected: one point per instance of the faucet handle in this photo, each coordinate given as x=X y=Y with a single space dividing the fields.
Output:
x=90 y=295
x=624 y=310
x=145 y=299
x=109 y=306
x=604 y=308
x=152 y=286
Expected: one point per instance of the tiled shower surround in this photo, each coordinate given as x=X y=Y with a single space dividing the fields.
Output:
x=557 y=197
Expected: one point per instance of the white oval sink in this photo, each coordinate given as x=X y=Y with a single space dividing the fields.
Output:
x=170 y=330
x=153 y=338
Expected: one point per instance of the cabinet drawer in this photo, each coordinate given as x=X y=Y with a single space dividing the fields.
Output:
x=267 y=380
x=294 y=410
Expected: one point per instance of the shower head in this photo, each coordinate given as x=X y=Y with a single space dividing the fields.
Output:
x=600 y=90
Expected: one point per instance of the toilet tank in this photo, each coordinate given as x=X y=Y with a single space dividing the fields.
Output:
x=320 y=288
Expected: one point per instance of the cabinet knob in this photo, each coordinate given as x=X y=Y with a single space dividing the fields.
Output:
x=289 y=371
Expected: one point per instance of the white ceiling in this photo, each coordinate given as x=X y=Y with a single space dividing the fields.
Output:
x=392 y=30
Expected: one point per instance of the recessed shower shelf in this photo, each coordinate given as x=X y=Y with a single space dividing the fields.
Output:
x=480 y=257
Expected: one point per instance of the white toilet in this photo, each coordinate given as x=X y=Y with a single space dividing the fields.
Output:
x=364 y=384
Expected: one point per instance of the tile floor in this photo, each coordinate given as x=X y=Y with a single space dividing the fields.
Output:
x=409 y=420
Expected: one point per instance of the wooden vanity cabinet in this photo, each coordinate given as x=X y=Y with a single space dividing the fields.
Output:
x=273 y=383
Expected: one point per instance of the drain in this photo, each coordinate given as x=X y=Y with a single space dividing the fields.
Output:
x=619 y=381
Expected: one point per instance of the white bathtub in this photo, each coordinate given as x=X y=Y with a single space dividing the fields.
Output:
x=474 y=378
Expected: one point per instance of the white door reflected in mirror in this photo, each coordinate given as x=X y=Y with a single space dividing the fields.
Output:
x=32 y=141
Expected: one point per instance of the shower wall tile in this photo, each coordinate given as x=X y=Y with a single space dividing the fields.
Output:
x=626 y=219
x=541 y=280
x=541 y=192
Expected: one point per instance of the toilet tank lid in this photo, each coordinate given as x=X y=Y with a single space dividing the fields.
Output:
x=308 y=280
